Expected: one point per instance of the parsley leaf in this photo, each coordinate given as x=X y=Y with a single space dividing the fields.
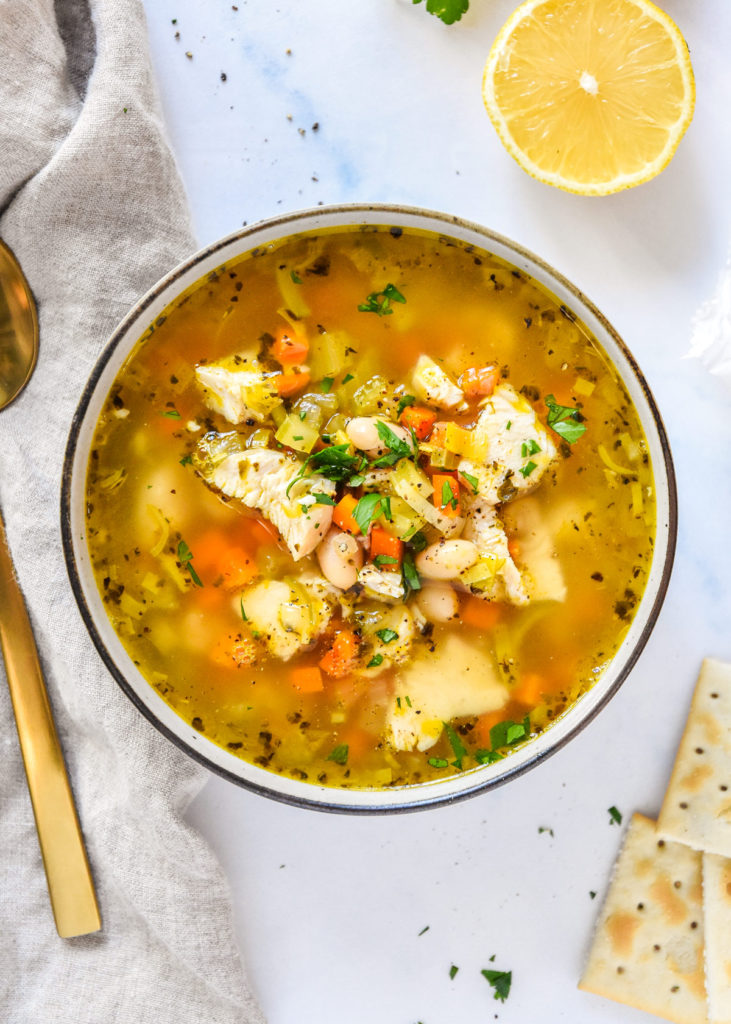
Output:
x=171 y=414
x=500 y=981
x=448 y=495
x=472 y=481
x=185 y=557
x=380 y=302
x=339 y=754
x=453 y=972
x=615 y=818
x=487 y=756
x=347 y=377
x=385 y=560
x=326 y=384
x=404 y=401
x=529 y=448
x=504 y=734
x=458 y=748
x=410 y=575
x=528 y=469
x=323 y=499
x=418 y=541
x=438 y=762
x=369 y=508
x=295 y=277
x=243 y=613
x=448 y=10
x=334 y=462
x=375 y=661
x=186 y=460
x=387 y=635
x=398 y=449
x=564 y=420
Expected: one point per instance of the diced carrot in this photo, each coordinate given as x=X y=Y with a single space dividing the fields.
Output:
x=529 y=689
x=479 y=381
x=290 y=383
x=289 y=350
x=481 y=732
x=513 y=548
x=480 y=613
x=339 y=660
x=446 y=493
x=343 y=514
x=232 y=652
x=261 y=532
x=358 y=740
x=216 y=556
x=419 y=419
x=307 y=679
x=384 y=543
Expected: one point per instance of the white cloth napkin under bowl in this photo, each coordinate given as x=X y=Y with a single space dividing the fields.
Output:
x=92 y=205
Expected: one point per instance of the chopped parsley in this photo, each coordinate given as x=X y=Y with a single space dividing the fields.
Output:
x=380 y=302
x=448 y=495
x=334 y=462
x=397 y=448
x=339 y=754
x=453 y=970
x=380 y=560
x=185 y=557
x=504 y=734
x=303 y=415
x=171 y=414
x=529 y=448
x=323 y=499
x=243 y=612
x=448 y=10
x=487 y=756
x=186 y=460
x=545 y=828
x=528 y=469
x=458 y=748
x=375 y=661
x=356 y=481
x=438 y=762
x=418 y=541
x=410 y=575
x=508 y=425
x=295 y=277
x=472 y=481
x=369 y=508
x=326 y=384
x=348 y=377
x=404 y=401
x=564 y=420
x=500 y=982
x=424 y=929
x=615 y=818
x=387 y=635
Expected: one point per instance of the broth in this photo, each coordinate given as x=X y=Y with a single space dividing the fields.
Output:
x=186 y=570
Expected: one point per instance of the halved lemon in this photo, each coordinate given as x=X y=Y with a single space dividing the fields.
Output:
x=592 y=96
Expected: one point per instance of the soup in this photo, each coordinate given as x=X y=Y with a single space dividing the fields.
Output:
x=369 y=508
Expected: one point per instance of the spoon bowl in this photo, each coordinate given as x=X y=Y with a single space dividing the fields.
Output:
x=18 y=328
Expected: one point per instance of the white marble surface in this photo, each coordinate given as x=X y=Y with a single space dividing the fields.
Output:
x=329 y=909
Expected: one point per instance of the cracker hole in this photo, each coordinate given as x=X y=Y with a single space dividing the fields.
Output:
x=640 y=906
x=714 y=695
x=661 y=842
x=723 y=788
x=676 y=885
x=675 y=988
x=683 y=806
x=699 y=750
x=656 y=948
x=693 y=924
x=620 y=970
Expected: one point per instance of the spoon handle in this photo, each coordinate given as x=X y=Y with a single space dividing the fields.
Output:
x=70 y=884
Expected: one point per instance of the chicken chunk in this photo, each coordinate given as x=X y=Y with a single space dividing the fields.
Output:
x=447 y=680
x=268 y=481
x=238 y=389
x=387 y=649
x=433 y=385
x=537 y=558
x=511 y=447
x=286 y=615
x=383 y=584
x=502 y=580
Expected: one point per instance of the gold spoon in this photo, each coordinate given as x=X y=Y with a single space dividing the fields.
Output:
x=70 y=884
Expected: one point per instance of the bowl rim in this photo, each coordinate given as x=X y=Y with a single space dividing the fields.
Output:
x=288 y=224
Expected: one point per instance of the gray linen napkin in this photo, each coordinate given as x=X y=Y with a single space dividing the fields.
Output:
x=93 y=207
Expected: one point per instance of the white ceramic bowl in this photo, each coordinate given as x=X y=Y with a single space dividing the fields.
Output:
x=146 y=698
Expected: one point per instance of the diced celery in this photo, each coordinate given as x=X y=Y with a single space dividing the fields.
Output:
x=375 y=396
x=260 y=438
x=404 y=522
x=130 y=606
x=291 y=292
x=483 y=573
x=414 y=486
x=278 y=414
x=316 y=407
x=297 y=433
x=582 y=386
x=328 y=354
x=439 y=457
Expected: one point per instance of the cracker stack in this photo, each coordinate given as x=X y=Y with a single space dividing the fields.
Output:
x=663 y=939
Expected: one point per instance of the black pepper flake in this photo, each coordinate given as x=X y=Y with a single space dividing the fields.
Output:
x=197 y=723
x=223 y=76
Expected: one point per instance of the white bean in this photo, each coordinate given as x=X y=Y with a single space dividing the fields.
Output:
x=437 y=601
x=446 y=559
x=363 y=432
x=340 y=557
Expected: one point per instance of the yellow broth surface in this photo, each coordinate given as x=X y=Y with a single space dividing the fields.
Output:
x=175 y=559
